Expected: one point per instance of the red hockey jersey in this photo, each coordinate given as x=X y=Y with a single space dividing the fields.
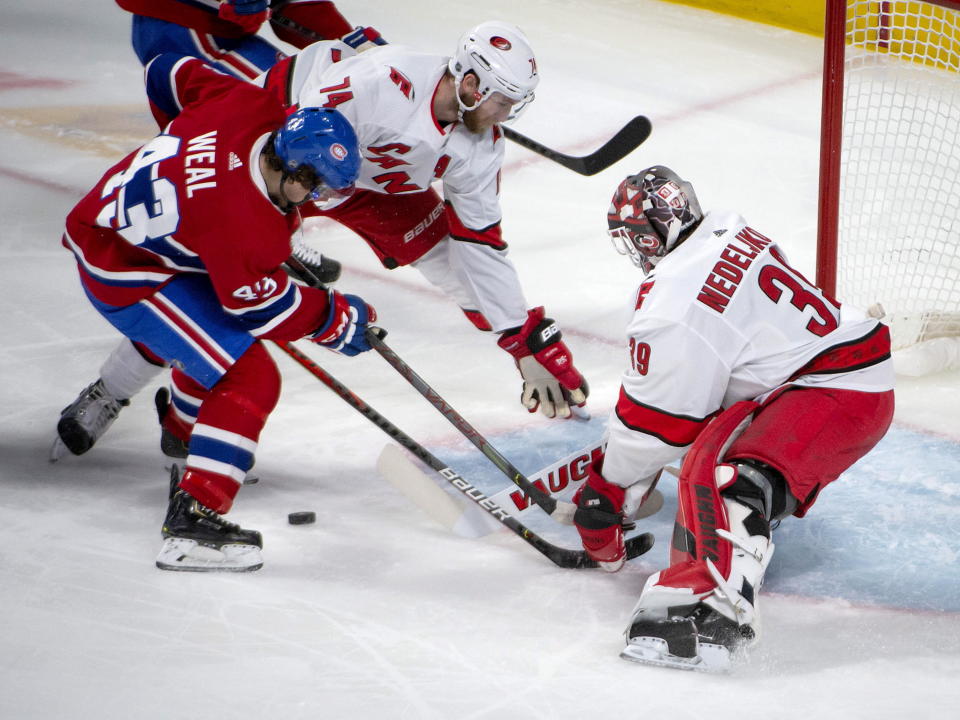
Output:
x=193 y=200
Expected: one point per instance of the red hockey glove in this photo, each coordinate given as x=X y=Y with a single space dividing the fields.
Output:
x=599 y=519
x=550 y=381
x=346 y=326
x=248 y=14
x=363 y=38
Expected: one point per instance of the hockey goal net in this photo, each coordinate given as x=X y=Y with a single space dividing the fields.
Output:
x=889 y=226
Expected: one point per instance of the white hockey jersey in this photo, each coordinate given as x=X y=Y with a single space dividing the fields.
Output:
x=387 y=95
x=724 y=318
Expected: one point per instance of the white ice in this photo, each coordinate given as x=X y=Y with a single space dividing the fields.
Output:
x=375 y=612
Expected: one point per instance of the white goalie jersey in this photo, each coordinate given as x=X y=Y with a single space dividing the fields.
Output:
x=724 y=318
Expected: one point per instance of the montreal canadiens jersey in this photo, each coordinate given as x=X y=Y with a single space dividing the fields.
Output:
x=193 y=200
x=200 y=15
x=725 y=318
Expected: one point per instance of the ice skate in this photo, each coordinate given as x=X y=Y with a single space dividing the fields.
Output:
x=170 y=444
x=321 y=268
x=197 y=539
x=704 y=641
x=85 y=420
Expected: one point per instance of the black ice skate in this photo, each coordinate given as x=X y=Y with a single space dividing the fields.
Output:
x=198 y=539
x=311 y=266
x=702 y=639
x=170 y=444
x=85 y=420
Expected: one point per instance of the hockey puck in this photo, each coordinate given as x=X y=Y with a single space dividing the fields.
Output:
x=302 y=518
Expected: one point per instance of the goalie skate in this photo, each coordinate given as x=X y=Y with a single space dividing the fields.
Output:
x=706 y=641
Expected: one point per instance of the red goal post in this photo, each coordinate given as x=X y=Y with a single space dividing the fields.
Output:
x=889 y=211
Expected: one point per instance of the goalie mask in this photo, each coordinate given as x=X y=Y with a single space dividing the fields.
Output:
x=652 y=212
x=500 y=56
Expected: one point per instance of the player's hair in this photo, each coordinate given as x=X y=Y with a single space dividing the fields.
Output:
x=305 y=174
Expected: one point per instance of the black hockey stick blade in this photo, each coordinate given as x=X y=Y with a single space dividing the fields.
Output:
x=628 y=139
x=636 y=546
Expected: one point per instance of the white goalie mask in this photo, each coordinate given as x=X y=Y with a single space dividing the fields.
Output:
x=501 y=57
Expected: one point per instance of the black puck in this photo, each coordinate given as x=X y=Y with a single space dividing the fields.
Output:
x=302 y=518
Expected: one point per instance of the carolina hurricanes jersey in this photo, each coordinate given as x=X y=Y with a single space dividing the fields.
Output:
x=193 y=200
x=387 y=94
x=720 y=319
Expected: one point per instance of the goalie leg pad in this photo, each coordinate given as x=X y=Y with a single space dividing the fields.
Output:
x=700 y=610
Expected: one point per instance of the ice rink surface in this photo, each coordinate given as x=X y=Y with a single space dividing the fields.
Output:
x=374 y=611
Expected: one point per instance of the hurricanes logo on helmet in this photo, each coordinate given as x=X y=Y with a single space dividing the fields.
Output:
x=500 y=43
x=338 y=151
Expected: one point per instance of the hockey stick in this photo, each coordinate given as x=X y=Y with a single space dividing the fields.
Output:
x=399 y=470
x=561 y=511
x=628 y=139
x=562 y=557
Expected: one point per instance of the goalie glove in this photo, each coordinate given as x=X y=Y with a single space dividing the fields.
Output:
x=600 y=519
x=550 y=380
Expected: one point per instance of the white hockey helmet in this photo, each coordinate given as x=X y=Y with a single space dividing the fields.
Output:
x=501 y=57
x=651 y=213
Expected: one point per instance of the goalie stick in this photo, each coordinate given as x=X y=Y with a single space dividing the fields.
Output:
x=563 y=557
x=465 y=520
x=561 y=511
x=627 y=139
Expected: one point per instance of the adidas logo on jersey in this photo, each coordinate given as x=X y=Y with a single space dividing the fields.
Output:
x=720 y=233
x=233 y=162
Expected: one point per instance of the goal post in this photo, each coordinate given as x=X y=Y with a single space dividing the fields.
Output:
x=889 y=208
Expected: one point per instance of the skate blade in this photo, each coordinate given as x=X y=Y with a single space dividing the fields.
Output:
x=182 y=554
x=653 y=651
x=58 y=449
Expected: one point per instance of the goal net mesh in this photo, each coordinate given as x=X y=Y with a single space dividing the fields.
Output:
x=899 y=212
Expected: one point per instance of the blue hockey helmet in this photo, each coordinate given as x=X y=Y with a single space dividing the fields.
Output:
x=323 y=140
